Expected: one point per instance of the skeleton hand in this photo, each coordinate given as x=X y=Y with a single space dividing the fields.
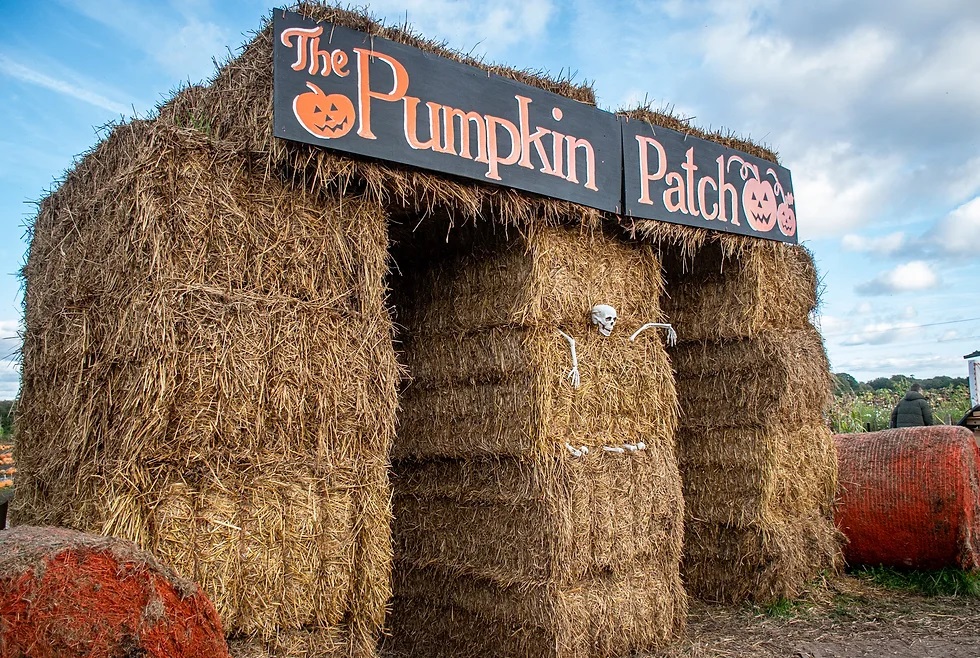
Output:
x=671 y=334
x=573 y=375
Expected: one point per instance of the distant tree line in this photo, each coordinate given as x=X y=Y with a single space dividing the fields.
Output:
x=845 y=383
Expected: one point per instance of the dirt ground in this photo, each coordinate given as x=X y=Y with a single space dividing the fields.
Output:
x=848 y=618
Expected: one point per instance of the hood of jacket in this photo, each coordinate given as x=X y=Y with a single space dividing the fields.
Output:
x=914 y=395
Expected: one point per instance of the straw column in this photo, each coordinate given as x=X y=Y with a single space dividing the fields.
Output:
x=757 y=461
x=510 y=538
x=208 y=371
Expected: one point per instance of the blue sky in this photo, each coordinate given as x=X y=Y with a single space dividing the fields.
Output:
x=873 y=105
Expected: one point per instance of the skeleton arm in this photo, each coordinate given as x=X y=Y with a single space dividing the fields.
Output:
x=573 y=375
x=671 y=334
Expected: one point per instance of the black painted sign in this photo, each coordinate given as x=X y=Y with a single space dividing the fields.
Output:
x=346 y=90
x=676 y=178
x=342 y=89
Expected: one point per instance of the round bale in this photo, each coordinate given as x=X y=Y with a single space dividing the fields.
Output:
x=909 y=497
x=65 y=594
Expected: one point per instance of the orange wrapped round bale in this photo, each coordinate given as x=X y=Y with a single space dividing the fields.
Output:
x=66 y=594
x=909 y=497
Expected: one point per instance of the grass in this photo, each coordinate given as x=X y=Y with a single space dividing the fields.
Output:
x=784 y=609
x=943 y=582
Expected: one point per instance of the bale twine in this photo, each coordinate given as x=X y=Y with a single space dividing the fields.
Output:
x=64 y=594
x=208 y=372
x=510 y=539
x=910 y=497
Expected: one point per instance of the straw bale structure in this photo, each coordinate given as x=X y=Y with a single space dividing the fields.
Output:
x=590 y=563
x=208 y=371
x=757 y=460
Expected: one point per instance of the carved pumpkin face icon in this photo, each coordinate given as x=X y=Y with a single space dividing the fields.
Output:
x=759 y=204
x=786 y=219
x=322 y=115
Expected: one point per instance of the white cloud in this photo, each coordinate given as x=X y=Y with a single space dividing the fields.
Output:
x=187 y=52
x=959 y=232
x=9 y=328
x=471 y=24
x=944 y=72
x=839 y=189
x=831 y=324
x=79 y=90
x=909 y=277
x=884 y=245
x=920 y=364
x=822 y=77
x=966 y=182
x=9 y=379
x=183 y=45
x=881 y=333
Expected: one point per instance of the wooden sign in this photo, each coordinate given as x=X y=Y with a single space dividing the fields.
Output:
x=342 y=89
x=676 y=178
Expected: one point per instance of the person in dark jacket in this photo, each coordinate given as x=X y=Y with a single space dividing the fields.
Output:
x=912 y=410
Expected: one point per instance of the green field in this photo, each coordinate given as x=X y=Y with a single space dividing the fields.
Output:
x=867 y=406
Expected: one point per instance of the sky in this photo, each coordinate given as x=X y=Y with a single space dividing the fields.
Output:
x=873 y=105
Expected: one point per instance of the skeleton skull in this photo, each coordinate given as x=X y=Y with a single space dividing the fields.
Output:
x=604 y=316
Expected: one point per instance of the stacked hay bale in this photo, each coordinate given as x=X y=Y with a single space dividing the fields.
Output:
x=510 y=539
x=757 y=460
x=208 y=371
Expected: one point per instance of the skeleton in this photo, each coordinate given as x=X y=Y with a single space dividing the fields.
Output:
x=604 y=316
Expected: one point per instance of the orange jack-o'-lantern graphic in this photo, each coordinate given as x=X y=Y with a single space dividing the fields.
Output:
x=786 y=219
x=326 y=116
x=759 y=204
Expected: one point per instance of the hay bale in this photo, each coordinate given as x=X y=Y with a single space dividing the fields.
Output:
x=564 y=517
x=752 y=476
x=762 y=563
x=482 y=333
x=236 y=106
x=208 y=371
x=65 y=593
x=764 y=286
x=748 y=381
x=329 y=641
x=910 y=497
x=436 y=613
x=757 y=461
